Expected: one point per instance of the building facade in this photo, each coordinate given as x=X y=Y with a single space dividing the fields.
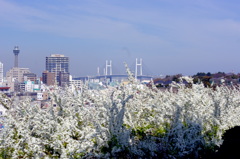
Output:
x=75 y=83
x=15 y=76
x=29 y=85
x=58 y=64
x=48 y=78
x=1 y=73
x=63 y=79
x=30 y=76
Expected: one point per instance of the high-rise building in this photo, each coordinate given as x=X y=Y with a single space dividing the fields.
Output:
x=58 y=64
x=1 y=73
x=16 y=51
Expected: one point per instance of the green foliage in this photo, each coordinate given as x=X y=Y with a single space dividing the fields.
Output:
x=212 y=134
x=126 y=126
x=94 y=140
x=75 y=135
x=6 y=152
x=16 y=137
x=65 y=144
x=51 y=152
x=110 y=145
x=160 y=131
x=78 y=155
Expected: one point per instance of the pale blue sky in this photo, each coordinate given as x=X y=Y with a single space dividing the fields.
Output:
x=171 y=36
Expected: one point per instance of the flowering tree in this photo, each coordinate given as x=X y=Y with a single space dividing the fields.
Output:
x=130 y=120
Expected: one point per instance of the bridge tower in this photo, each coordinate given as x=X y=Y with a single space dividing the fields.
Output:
x=98 y=71
x=136 y=68
x=108 y=65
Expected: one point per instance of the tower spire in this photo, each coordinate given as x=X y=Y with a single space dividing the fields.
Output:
x=16 y=51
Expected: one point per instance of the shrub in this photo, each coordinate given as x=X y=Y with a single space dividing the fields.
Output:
x=129 y=121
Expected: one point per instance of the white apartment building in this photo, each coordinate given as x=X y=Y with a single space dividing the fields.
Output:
x=29 y=86
x=74 y=83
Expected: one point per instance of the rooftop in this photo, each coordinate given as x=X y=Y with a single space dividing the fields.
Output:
x=57 y=55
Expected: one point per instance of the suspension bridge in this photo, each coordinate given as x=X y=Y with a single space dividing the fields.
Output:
x=108 y=73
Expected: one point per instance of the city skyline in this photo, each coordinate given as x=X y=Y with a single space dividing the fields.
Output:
x=170 y=36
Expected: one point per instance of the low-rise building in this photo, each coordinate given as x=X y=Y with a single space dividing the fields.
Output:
x=74 y=82
x=15 y=76
x=49 y=78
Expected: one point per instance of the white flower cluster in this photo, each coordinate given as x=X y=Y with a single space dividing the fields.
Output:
x=131 y=120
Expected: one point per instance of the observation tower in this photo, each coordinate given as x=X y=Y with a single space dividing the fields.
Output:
x=16 y=51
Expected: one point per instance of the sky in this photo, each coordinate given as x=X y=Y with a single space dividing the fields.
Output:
x=171 y=36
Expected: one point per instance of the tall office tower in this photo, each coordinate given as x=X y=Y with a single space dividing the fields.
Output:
x=59 y=64
x=16 y=51
x=1 y=73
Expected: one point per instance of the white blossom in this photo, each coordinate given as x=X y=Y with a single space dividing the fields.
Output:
x=130 y=119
